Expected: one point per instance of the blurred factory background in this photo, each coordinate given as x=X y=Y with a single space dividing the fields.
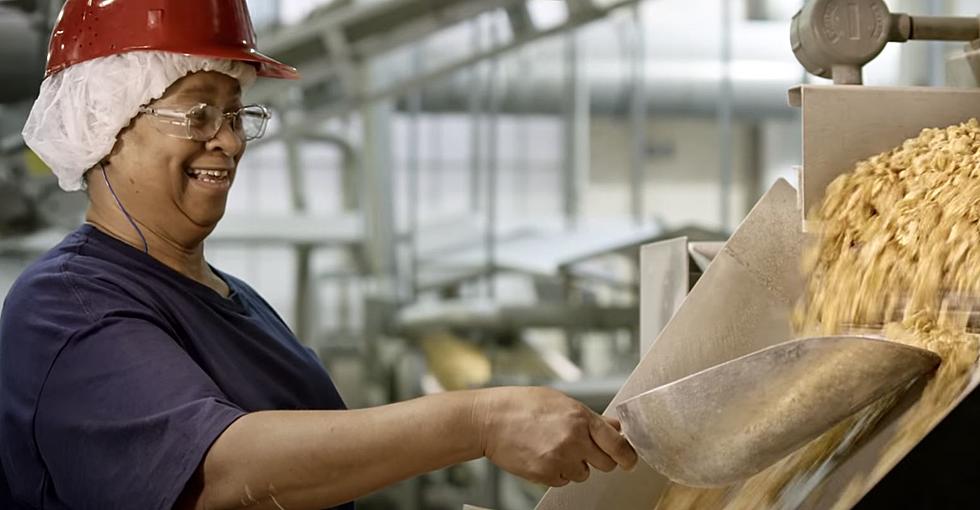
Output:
x=455 y=193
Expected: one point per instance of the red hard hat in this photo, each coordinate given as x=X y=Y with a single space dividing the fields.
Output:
x=89 y=29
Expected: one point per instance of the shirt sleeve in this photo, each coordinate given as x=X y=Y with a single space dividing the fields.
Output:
x=125 y=417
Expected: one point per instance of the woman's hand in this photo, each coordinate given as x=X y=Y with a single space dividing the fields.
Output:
x=544 y=436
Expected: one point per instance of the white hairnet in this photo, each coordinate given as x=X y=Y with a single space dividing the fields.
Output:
x=81 y=110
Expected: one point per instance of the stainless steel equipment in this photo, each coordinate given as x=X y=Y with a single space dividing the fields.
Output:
x=835 y=38
x=742 y=303
x=729 y=422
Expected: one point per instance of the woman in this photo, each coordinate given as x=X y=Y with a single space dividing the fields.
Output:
x=135 y=375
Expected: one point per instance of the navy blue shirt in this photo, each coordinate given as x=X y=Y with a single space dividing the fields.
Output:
x=117 y=374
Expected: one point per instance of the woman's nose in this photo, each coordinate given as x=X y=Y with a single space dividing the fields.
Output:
x=227 y=140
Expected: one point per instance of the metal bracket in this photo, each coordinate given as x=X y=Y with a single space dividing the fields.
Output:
x=836 y=38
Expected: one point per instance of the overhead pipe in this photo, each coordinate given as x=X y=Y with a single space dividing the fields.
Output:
x=673 y=88
x=681 y=74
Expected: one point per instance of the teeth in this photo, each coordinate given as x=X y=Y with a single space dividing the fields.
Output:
x=215 y=175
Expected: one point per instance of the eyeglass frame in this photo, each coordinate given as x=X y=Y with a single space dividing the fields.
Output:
x=182 y=115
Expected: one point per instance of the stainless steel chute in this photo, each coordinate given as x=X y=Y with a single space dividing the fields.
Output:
x=729 y=422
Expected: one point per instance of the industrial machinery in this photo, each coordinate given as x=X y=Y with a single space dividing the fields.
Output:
x=836 y=38
x=742 y=303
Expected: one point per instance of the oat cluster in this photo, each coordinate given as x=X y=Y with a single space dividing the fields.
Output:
x=897 y=237
x=896 y=253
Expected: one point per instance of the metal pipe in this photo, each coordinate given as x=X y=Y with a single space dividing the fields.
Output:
x=435 y=164
x=414 y=200
x=378 y=194
x=305 y=296
x=349 y=166
x=944 y=28
x=492 y=168
x=899 y=27
x=294 y=169
x=316 y=74
x=847 y=75
x=672 y=87
x=575 y=125
x=476 y=137
x=568 y=129
x=638 y=117
x=304 y=291
x=492 y=317
x=522 y=146
x=725 y=100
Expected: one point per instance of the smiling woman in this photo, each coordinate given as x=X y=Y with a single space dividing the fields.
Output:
x=133 y=374
x=172 y=187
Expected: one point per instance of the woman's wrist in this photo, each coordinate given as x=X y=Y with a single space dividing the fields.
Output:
x=479 y=420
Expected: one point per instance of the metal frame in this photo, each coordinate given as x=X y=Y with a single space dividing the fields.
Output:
x=346 y=31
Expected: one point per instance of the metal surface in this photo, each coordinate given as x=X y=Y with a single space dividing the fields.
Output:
x=413 y=178
x=637 y=115
x=378 y=206
x=743 y=301
x=757 y=269
x=672 y=86
x=836 y=38
x=575 y=131
x=538 y=251
x=838 y=121
x=864 y=467
x=664 y=282
x=492 y=168
x=378 y=27
x=296 y=174
x=944 y=28
x=289 y=229
x=703 y=252
x=725 y=108
x=475 y=82
x=729 y=422
x=490 y=315
x=963 y=69
x=842 y=125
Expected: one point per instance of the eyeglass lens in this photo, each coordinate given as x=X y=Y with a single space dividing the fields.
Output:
x=205 y=121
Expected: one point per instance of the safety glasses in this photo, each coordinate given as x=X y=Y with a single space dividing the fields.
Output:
x=202 y=122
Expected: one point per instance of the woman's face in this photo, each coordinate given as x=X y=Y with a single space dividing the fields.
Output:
x=169 y=184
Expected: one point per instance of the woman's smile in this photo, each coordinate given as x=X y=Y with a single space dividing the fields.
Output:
x=211 y=178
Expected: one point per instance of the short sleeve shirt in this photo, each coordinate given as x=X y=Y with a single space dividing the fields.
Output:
x=117 y=374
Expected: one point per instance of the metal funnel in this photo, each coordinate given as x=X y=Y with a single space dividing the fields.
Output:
x=731 y=421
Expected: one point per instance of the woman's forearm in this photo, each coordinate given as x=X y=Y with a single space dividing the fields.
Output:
x=316 y=459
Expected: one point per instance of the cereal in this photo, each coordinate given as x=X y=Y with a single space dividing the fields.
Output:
x=893 y=254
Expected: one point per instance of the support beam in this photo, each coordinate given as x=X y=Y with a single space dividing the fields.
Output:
x=575 y=131
x=318 y=70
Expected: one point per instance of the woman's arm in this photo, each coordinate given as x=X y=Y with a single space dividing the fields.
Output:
x=317 y=459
